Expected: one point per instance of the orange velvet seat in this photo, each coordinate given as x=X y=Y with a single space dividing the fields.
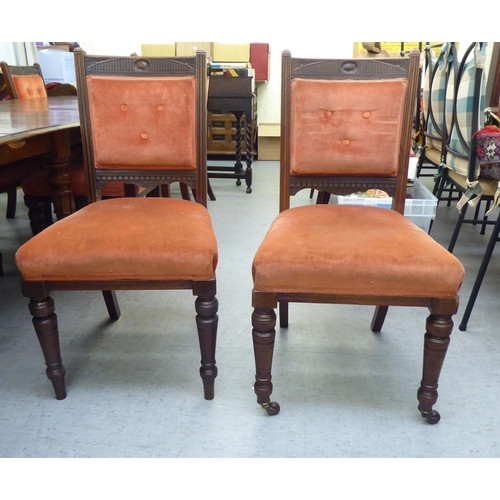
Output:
x=132 y=243
x=97 y=234
x=351 y=250
x=346 y=127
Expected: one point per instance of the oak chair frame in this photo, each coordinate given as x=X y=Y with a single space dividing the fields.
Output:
x=439 y=323
x=9 y=89
x=9 y=71
x=41 y=305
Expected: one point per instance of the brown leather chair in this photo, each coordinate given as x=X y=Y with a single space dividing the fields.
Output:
x=144 y=122
x=346 y=127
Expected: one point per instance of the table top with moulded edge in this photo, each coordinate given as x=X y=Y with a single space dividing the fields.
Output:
x=23 y=119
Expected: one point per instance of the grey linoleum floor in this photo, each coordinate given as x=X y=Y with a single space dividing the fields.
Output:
x=134 y=388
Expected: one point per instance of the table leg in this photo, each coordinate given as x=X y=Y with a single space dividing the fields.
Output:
x=62 y=197
x=238 y=167
x=249 y=156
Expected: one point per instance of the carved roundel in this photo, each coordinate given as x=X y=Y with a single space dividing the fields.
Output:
x=349 y=67
x=142 y=65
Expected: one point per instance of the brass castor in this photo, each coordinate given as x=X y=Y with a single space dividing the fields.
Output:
x=432 y=417
x=249 y=189
x=272 y=408
x=238 y=182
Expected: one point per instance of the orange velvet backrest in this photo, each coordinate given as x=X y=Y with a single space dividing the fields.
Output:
x=346 y=127
x=29 y=86
x=145 y=122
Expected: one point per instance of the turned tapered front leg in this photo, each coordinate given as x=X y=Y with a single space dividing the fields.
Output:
x=207 y=321
x=45 y=323
x=437 y=338
x=264 y=333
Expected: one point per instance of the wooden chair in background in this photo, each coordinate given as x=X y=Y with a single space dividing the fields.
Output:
x=26 y=82
x=16 y=81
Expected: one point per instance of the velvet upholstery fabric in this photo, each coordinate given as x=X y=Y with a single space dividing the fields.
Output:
x=120 y=239
x=29 y=86
x=337 y=249
x=346 y=127
x=151 y=125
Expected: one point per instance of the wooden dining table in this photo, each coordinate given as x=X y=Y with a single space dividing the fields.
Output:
x=47 y=127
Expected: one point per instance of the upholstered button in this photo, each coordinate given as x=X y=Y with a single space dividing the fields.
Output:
x=366 y=114
x=346 y=142
x=144 y=135
x=124 y=107
x=160 y=107
x=328 y=114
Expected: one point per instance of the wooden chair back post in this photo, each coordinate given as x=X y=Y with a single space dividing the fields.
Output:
x=339 y=180
x=15 y=75
x=135 y=73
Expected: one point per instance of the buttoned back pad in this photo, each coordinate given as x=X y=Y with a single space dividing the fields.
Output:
x=339 y=130
x=143 y=122
x=29 y=86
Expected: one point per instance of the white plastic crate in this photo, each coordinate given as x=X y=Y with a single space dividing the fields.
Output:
x=420 y=206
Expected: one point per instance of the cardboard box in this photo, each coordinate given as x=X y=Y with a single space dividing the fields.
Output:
x=57 y=66
x=393 y=48
x=269 y=141
x=268 y=148
x=228 y=52
x=158 y=49
x=190 y=48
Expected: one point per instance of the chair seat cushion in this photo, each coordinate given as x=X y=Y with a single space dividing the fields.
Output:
x=489 y=186
x=124 y=238
x=433 y=155
x=353 y=250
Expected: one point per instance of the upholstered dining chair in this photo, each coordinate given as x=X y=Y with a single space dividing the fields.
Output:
x=465 y=104
x=437 y=73
x=26 y=82
x=143 y=121
x=466 y=101
x=346 y=126
x=17 y=81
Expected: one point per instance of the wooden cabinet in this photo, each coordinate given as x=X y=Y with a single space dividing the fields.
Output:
x=222 y=133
